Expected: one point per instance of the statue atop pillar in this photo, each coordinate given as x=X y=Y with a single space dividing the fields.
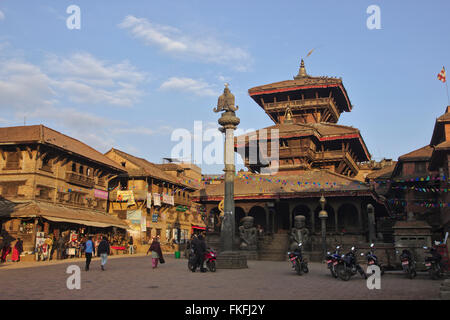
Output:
x=299 y=233
x=248 y=234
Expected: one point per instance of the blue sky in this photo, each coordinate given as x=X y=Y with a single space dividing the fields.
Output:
x=137 y=70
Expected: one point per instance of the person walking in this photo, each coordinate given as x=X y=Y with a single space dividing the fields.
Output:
x=88 y=251
x=18 y=249
x=103 y=251
x=130 y=245
x=155 y=248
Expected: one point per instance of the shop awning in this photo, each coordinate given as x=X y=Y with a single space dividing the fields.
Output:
x=198 y=228
x=82 y=222
x=61 y=213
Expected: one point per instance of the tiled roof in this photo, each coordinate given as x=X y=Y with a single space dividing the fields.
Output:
x=323 y=131
x=311 y=181
x=383 y=173
x=423 y=153
x=58 y=212
x=147 y=168
x=296 y=83
x=43 y=135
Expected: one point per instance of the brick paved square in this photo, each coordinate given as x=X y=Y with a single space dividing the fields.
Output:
x=134 y=278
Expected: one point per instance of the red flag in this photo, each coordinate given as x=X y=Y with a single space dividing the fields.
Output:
x=441 y=75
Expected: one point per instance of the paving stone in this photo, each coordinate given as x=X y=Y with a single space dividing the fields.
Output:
x=134 y=278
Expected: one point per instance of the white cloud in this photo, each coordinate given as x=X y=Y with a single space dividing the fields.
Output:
x=24 y=86
x=86 y=79
x=136 y=130
x=171 y=40
x=197 y=87
x=2 y=15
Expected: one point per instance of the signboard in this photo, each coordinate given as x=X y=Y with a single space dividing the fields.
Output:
x=154 y=217
x=143 y=223
x=157 y=199
x=134 y=216
x=126 y=195
x=100 y=194
x=149 y=200
x=169 y=199
x=40 y=239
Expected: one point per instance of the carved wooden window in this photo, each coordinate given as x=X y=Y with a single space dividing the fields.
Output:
x=61 y=197
x=12 y=160
x=421 y=167
x=10 y=189
x=44 y=193
x=81 y=170
x=74 y=167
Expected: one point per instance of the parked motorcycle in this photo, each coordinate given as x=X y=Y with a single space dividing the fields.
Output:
x=210 y=258
x=433 y=264
x=333 y=260
x=372 y=259
x=408 y=263
x=298 y=262
x=348 y=266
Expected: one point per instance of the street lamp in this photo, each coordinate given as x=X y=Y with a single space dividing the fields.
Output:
x=323 y=215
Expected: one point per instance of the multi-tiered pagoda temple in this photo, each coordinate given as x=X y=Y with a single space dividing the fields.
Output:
x=316 y=157
x=306 y=111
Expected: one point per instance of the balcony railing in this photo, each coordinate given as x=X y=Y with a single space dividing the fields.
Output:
x=79 y=179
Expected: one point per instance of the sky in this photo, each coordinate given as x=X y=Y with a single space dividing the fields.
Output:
x=136 y=71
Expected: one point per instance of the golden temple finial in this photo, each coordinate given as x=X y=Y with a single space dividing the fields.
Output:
x=302 y=71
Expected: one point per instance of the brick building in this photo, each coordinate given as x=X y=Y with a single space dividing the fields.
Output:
x=52 y=183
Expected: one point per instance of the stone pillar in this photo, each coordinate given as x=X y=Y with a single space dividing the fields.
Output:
x=360 y=220
x=228 y=258
x=290 y=206
x=371 y=222
x=266 y=210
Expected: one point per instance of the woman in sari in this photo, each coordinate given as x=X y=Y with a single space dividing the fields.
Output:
x=155 y=248
x=18 y=249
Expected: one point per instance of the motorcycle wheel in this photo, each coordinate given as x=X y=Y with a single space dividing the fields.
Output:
x=333 y=273
x=190 y=265
x=305 y=268
x=298 y=269
x=212 y=266
x=343 y=274
x=433 y=274
x=382 y=270
x=412 y=274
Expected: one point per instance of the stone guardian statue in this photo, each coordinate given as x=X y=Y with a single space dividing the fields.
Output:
x=299 y=233
x=248 y=234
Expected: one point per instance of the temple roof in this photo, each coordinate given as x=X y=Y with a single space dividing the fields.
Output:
x=303 y=81
x=439 y=131
x=309 y=183
x=323 y=131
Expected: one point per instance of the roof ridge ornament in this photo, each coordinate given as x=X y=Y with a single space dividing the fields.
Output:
x=301 y=72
